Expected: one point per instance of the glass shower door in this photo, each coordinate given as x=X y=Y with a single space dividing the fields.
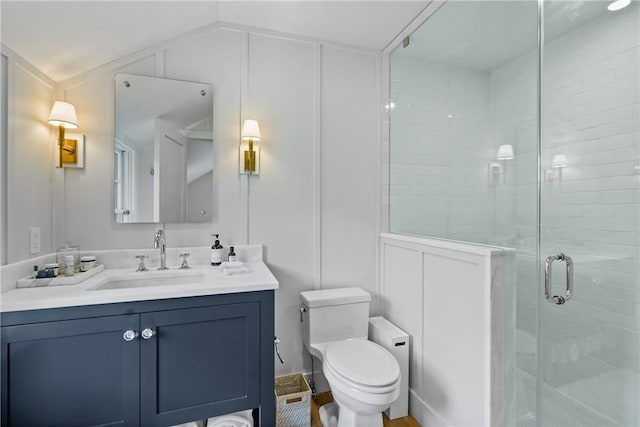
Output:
x=589 y=346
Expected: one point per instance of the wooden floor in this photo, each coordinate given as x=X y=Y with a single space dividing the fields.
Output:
x=323 y=398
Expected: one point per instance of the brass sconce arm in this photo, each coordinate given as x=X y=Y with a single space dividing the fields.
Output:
x=250 y=159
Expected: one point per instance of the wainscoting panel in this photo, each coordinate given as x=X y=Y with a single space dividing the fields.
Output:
x=448 y=296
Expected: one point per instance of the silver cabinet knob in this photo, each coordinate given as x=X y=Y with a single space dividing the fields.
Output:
x=148 y=333
x=129 y=335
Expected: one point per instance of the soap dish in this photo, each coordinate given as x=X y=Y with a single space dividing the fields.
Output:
x=30 y=282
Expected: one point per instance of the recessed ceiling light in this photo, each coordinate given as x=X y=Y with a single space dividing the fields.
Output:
x=618 y=4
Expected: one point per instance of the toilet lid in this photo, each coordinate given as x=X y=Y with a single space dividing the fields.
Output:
x=363 y=362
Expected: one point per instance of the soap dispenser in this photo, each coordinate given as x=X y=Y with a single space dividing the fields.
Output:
x=232 y=254
x=216 y=251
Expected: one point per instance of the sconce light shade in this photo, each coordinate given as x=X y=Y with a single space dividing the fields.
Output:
x=505 y=152
x=63 y=114
x=251 y=156
x=250 y=130
x=559 y=161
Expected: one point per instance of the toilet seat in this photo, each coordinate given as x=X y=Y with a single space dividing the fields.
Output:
x=362 y=365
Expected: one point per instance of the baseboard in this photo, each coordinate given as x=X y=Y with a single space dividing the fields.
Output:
x=423 y=413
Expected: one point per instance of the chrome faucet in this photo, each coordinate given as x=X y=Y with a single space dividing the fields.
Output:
x=160 y=242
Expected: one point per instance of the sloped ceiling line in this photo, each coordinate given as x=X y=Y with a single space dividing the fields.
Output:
x=95 y=33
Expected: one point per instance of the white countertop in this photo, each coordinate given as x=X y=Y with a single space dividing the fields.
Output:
x=207 y=280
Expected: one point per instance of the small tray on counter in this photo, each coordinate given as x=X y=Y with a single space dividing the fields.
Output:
x=29 y=282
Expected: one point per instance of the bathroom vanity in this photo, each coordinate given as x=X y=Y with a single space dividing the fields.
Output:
x=146 y=355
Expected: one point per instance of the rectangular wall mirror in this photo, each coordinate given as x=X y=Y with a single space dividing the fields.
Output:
x=163 y=150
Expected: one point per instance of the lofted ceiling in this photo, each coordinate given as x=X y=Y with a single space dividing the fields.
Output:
x=66 y=38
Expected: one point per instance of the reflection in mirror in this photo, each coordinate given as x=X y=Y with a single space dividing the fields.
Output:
x=163 y=152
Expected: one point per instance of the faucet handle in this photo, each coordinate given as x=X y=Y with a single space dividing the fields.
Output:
x=141 y=266
x=185 y=264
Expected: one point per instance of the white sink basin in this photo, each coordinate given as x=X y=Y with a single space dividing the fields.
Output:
x=147 y=279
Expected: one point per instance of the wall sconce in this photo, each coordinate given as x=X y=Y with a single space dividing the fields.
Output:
x=505 y=152
x=559 y=162
x=250 y=157
x=495 y=172
x=63 y=115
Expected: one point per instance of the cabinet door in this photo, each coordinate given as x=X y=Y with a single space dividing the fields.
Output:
x=200 y=362
x=71 y=373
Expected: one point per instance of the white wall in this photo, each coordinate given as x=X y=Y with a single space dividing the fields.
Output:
x=31 y=146
x=313 y=205
x=4 y=135
x=170 y=173
x=348 y=170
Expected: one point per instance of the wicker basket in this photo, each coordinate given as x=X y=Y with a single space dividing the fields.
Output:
x=293 y=401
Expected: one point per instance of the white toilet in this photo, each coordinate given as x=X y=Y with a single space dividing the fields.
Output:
x=364 y=378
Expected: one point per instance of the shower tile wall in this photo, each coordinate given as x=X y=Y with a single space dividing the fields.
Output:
x=591 y=95
x=590 y=114
x=439 y=128
x=440 y=187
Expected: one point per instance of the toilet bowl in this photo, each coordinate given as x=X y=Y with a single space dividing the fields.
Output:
x=364 y=378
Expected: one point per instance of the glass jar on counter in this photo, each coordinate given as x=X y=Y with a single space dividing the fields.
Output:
x=69 y=250
x=68 y=265
x=87 y=262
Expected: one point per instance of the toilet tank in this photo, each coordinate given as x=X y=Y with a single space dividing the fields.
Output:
x=335 y=314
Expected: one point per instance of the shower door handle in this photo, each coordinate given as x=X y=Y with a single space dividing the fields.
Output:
x=548 y=267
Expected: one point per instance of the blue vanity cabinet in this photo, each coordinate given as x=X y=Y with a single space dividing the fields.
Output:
x=199 y=361
x=70 y=373
x=189 y=359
